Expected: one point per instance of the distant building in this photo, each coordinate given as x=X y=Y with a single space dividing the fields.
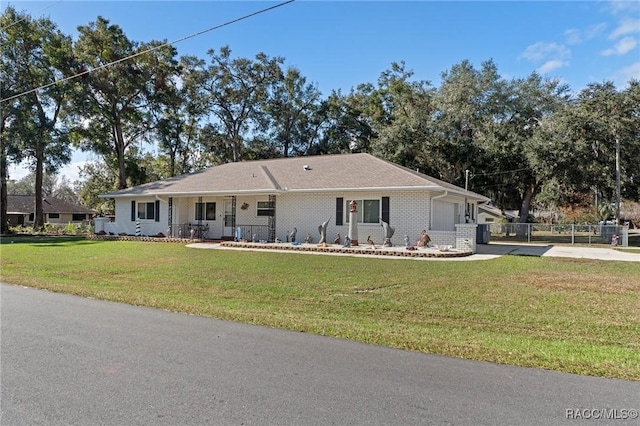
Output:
x=487 y=213
x=21 y=210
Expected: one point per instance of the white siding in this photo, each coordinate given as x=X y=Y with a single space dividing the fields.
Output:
x=409 y=213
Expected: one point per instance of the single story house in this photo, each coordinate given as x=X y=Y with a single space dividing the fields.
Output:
x=488 y=213
x=268 y=199
x=21 y=210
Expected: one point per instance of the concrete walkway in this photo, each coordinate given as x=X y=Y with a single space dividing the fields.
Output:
x=484 y=252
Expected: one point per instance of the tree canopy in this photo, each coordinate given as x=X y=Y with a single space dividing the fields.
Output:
x=149 y=114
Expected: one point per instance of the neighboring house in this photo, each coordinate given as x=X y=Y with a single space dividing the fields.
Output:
x=488 y=213
x=21 y=208
x=268 y=199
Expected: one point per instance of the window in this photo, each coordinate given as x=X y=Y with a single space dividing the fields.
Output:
x=368 y=211
x=489 y=220
x=265 y=208
x=54 y=215
x=147 y=211
x=78 y=217
x=205 y=211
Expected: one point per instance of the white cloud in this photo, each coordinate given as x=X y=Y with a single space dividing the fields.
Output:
x=595 y=30
x=617 y=7
x=551 y=56
x=626 y=74
x=627 y=26
x=576 y=36
x=552 y=65
x=623 y=46
x=573 y=36
x=542 y=51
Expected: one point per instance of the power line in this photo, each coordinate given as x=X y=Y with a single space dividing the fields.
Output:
x=148 y=50
x=500 y=173
x=26 y=16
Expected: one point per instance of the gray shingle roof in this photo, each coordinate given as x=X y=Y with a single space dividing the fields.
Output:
x=25 y=204
x=341 y=172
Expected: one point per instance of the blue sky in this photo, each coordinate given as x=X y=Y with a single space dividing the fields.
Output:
x=340 y=44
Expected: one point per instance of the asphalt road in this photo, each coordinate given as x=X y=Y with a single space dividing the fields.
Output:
x=67 y=360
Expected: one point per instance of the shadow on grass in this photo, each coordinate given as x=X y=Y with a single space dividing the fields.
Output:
x=44 y=240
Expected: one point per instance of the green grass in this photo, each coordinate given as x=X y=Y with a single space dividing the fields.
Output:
x=571 y=315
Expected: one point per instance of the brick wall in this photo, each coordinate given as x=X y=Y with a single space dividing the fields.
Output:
x=466 y=236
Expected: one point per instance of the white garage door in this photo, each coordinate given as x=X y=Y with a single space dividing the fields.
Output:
x=444 y=216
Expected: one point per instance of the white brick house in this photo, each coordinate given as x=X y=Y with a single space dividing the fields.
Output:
x=269 y=198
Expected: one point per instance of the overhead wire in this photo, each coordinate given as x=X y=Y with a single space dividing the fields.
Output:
x=500 y=173
x=26 y=16
x=80 y=74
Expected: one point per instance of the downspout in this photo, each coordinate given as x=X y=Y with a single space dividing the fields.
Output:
x=444 y=194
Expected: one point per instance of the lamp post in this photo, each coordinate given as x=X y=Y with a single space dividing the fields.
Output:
x=353 y=222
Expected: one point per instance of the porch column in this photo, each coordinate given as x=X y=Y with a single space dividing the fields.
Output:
x=272 y=218
x=170 y=218
x=466 y=236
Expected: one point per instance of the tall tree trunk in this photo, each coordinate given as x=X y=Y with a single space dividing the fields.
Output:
x=236 y=142
x=38 y=218
x=4 y=220
x=120 y=148
x=529 y=193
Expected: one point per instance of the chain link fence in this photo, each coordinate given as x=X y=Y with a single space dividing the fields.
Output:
x=616 y=235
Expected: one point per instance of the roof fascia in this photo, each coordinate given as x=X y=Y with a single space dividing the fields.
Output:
x=460 y=192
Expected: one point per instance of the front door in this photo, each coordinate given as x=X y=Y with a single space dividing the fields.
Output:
x=228 y=218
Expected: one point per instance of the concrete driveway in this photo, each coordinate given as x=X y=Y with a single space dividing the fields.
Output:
x=577 y=252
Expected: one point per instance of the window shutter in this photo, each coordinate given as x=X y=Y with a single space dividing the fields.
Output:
x=385 y=209
x=339 y=210
x=133 y=211
x=157 y=211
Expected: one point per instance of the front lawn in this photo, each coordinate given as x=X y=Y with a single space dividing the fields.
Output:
x=578 y=316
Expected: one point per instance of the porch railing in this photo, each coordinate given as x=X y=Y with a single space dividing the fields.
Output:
x=183 y=230
x=252 y=233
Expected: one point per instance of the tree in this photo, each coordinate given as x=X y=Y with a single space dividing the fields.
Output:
x=401 y=115
x=515 y=142
x=178 y=110
x=40 y=56
x=236 y=91
x=26 y=185
x=9 y=108
x=112 y=102
x=589 y=127
x=52 y=185
x=96 y=178
x=467 y=102
x=290 y=110
x=345 y=125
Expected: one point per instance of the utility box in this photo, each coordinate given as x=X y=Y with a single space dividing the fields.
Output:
x=483 y=233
